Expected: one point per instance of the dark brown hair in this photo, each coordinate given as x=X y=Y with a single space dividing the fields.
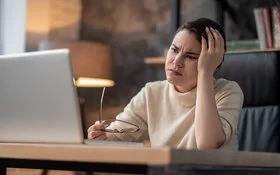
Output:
x=198 y=28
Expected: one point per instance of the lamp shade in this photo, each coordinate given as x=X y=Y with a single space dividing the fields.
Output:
x=91 y=62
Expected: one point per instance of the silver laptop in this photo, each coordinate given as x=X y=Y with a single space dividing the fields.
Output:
x=38 y=100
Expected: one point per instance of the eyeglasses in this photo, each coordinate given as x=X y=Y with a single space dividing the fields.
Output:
x=132 y=128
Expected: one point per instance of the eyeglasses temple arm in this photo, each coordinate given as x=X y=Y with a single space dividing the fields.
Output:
x=101 y=103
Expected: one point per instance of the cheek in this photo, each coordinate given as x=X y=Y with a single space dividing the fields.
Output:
x=195 y=68
x=169 y=56
x=191 y=68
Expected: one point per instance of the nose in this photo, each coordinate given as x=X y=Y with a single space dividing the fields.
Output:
x=178 y=61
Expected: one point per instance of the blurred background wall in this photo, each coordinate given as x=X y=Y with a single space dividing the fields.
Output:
x=135 y=30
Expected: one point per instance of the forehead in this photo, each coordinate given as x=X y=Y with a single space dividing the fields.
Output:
x=187 y=40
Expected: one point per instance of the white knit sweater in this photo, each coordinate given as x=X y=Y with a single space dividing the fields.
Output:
x=167 y=116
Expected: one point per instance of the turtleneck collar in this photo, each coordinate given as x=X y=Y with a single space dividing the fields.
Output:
x=186 y=99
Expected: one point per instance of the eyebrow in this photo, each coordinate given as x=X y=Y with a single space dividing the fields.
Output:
x=187 y=52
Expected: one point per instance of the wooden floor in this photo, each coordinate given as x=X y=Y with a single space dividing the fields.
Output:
x=17 y=171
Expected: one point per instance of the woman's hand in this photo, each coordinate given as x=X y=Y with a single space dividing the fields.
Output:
x=212 y=56
x=97 y=132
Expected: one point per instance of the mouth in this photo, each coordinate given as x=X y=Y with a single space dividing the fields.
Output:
x=175 y=72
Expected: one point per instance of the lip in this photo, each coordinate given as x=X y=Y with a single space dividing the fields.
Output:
x=175 y=72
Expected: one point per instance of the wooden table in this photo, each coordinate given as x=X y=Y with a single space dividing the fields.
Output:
x=132 y=159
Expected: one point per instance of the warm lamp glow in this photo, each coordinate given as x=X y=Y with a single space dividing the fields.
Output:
x=92 y=62
x=93 y=82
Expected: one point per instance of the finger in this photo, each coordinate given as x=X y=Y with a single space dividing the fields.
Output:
x=94 y=134
x=90 y=135
x=97 y=134
x=211 y=44
x=222 y=41
x=97 y=127
x=100 y=126
x=94 y=127
x=203 y=44
x=102 y=137
x=90 y=129
x=216 y=38
x=102 y=122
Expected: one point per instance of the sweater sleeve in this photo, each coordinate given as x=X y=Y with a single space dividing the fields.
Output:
x=229 y=101
x=135 y=112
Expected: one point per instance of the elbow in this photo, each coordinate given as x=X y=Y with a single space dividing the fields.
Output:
x=209 y=145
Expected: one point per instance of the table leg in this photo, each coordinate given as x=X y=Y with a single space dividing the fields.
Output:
x=3 y=170
x=44 y=172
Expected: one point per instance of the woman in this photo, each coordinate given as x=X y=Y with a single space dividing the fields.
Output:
x=190 y=109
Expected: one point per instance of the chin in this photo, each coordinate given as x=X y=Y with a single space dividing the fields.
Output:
x=174 y=81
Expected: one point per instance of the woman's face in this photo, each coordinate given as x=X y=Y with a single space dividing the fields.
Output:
x=181 y=61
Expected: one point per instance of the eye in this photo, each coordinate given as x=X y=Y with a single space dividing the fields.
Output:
x=175 y=50
x=191 y=57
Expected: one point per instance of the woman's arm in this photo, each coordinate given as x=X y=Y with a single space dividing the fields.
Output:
x=208 y=126
x=133 y=113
